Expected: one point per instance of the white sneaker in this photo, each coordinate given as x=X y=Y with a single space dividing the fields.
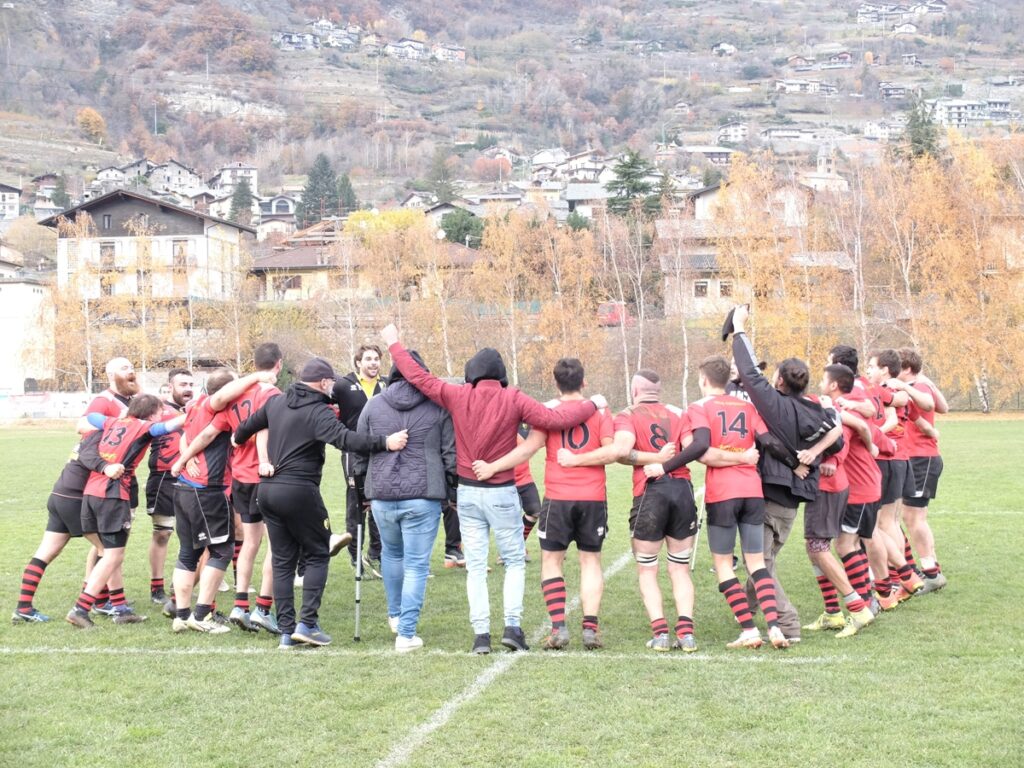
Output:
x=207 y=625
x=393 y=623
x=749 y=638
x=406 y=644
x=179 y=625
x=777 y=638
x=224 y=586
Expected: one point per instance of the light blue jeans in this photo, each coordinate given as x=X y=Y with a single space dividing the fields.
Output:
x=407 y=532
x=482 y=510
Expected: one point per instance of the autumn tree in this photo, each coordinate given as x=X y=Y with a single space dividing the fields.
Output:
x=91 y=124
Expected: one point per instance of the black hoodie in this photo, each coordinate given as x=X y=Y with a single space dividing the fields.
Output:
x=301 y=422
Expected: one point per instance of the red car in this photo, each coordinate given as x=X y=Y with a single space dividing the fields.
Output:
x=611 y=314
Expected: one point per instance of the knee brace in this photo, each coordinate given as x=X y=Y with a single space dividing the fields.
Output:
x=220 y=555
x=645 y=560
x=682 y=557
x=818 y=545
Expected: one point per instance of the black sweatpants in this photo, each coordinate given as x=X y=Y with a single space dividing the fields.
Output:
x=356 y=508
x=452 y=532
x=296 y=520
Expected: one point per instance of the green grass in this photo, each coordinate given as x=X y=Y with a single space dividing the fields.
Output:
x=938 y=682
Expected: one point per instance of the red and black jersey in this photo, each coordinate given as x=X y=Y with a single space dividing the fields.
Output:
x=733 y=424
x=124 y=441
x=654 y=425
x=523 y=475
x=84 y=459
x=917 y=443
x=577 y=483
x=862 y=472
x=214 y=462
x=109 y=403
x=245 y=458
x=164 y=450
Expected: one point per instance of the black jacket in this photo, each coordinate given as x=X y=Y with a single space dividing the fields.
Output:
x=417 y=471
x=796 y=423
x=351 y=399
x=301 y=422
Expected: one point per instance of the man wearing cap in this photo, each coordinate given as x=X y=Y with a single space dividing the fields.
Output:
x=300 y=423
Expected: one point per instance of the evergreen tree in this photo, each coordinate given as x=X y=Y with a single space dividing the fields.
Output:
x=632 y=182
x=241 y=203
x=441 y=181
x=666 y=190
x=320 y=195
x=463 y=227
x=922 y=135
x=60 y=196
x=577 y=221
x=347 y=199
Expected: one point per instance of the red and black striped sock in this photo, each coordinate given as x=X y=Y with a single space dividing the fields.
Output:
x=103 y=596
x=156 y=585
x=906 y=574
x=85 y=602
x=854 y=603
x=242 y=600
x=883 y=587
x=659 y=626
x=263 y=602
x=554 y=596
x=856 y=566
x=234 y=561
x=894 y=576
x=30 y=579
x=528 y=523
x=829 y=593
x=737 y=600
x=931 y=573
x=908 y=551
x=117 y=598
x=590 y=622
x=764 y=588
x=684 y=626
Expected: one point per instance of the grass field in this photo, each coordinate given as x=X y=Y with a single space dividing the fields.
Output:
x=937 y=682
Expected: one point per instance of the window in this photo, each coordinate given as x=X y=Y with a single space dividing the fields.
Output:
x=106 y=222
x=281 y=206
x=179 y=262
x=724 y=289
x=107 y=257
x=286 y=283
x=700 y=289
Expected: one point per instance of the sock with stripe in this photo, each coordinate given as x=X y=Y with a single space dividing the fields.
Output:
x=242 y=600
x=528 y=523
x=905 y=574
x=590 y=622
x=883 y=587
x=554 y=597
x=908 y=551
x=854 y=603
x=117 y=598
x=930 y=567
x=856 y=566
x=737 y=600
x=234 y=561
x=263 y=602
x=829 y=593
x=764 y=588
x=659 y=626
x=156 y=585
x=684 y=626
x=30 y=579
x=85 y=602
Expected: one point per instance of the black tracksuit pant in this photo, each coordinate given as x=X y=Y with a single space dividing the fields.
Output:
x=296 y=521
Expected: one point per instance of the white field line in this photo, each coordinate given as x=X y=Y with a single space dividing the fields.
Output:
x=764 y=656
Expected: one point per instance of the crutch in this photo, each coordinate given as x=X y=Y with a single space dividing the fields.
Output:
x=359 y=575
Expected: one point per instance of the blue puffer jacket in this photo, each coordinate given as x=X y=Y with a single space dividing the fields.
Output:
x=417 y=471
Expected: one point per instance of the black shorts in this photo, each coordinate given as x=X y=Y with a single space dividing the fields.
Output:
x=243 y=499
x=160 y=500
x=923 y=480
x=896 y=480
x=563 y=522
x=529 y=499
x=860 y=519
x=65 y=515
x=106 y=516
x=202 y=515
x=731 y=512
x=823 y=516
x=665 y=509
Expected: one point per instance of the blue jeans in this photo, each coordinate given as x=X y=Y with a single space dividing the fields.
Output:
x=407 y=532
x=482 y=510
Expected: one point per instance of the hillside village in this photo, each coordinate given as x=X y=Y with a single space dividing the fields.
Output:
x=537 y=124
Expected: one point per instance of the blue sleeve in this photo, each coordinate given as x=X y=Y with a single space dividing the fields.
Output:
x=159 y=429
x=96 y=419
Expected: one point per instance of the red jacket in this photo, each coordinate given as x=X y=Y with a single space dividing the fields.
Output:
x=486 y=415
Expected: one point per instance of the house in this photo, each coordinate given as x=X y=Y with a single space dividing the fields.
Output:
x=321 y=26
x=681 y=109
x=173 y=176
x=497 y=201
x=781 y=133
x=10 y=202
x=276 y=216
x=687 y=256
x=714 y=155
x=957 y=113
x=226 y=178
x=883 y=131
x=586 y=199
x=371 y=43
x=647 y=47
x=578 y=43
x=797 y=86
x=27 y=317
x=905 y=28
x=910 y=60
x=892 y=91
x=188 y=255
x=724 y=49
x=407 y=48
x=998 y=109
x=340 y=38
x=110 y=175
x=296 y=41
x=800 y=63
x=551 y=157
x=454 y=54
x=296 y=273
x=136 y=170
x=824 y=178
x=840 y=60
x=733 y=133
x=418 y=200
x=869 y=14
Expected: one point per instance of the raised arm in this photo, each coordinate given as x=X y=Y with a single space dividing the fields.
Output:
x=424 y=381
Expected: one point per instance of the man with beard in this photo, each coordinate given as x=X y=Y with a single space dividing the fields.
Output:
x=352 y=392
x=163 y=452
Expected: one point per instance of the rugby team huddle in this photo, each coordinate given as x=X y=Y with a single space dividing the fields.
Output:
x=242 y=463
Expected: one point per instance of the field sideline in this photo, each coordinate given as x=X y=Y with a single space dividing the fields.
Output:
x=937 y=682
